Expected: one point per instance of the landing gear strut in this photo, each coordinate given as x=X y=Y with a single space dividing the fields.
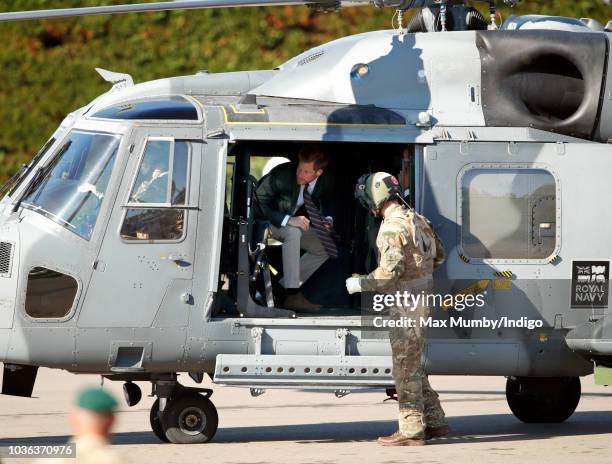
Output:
x=540 y=400
x=187 y=416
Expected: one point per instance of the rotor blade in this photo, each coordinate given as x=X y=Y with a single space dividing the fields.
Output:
x=157 y=6
x=326 y=5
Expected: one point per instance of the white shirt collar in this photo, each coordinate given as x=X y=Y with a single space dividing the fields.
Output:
x=311 y=186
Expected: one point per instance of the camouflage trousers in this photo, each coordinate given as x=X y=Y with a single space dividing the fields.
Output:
x=418 y=402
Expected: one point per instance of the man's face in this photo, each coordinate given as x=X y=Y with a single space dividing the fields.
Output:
x=306 y=172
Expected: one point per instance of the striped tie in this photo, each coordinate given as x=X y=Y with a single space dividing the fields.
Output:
x=318 y=224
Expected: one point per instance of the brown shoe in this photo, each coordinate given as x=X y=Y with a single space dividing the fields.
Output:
x=433 y=432
x=298 y=302
x=397 y=439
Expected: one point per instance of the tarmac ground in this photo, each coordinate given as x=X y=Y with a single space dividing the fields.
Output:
x=293 y=426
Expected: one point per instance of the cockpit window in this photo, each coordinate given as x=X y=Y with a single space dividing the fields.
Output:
x=151 y=185
x=16 y=180
x=50 y=294
x=170 y=108
x=70 y=188
x=158 y=198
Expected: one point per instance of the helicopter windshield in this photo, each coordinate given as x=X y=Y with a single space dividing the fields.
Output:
x=15 y=181
x=70 y=188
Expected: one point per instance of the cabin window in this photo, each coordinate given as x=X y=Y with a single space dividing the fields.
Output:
x=158 y=198
x=508 y=213
x=50 y=294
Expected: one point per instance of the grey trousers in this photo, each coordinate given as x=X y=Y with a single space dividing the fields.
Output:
x=297 y=270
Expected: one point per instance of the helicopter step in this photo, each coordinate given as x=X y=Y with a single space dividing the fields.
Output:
x=307 y=370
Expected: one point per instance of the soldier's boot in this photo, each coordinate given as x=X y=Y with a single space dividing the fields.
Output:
x=411 y=431
x=435 y=420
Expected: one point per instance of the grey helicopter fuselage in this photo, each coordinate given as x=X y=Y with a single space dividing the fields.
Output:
x=532 y=107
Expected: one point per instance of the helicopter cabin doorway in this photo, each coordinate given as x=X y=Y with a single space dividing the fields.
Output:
x=251 y=268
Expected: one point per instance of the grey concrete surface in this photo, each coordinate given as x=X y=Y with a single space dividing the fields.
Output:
x=290 y=426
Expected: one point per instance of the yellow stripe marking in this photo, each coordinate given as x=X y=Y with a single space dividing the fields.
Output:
x=502 y=284
x=297 y=123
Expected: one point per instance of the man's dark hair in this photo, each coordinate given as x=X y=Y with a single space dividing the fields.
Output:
x=313 y=153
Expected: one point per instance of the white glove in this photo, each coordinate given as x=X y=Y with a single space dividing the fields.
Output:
x=353 y=285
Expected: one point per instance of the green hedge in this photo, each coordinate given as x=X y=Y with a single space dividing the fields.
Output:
x=47 y=67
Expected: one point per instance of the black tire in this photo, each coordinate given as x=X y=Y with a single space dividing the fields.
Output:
x=552 y=399
x=190 y=418
x=156 y=424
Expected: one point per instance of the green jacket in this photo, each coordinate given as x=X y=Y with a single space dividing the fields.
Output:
x=278 y=192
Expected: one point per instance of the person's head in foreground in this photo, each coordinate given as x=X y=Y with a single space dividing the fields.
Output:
x=94 y=413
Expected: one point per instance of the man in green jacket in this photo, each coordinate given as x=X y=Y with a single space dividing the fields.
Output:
x=299 y=202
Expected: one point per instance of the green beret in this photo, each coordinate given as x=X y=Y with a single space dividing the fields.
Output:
x=97 y=400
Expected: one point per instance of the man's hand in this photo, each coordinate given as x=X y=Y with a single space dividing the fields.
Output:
x=353 y=285
x=300 y=222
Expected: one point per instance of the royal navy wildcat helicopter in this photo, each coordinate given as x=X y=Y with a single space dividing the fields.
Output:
x=129 y=245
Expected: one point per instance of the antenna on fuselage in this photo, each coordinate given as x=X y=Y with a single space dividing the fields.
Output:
x=119 y=80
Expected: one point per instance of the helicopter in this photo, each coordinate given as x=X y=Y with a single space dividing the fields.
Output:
x=131 y=247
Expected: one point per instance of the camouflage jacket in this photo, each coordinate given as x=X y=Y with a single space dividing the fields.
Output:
x=406 y=250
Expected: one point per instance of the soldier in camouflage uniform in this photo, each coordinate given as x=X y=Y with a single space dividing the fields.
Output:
x=408 y=249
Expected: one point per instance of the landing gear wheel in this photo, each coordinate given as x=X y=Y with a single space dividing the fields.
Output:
x=155 y=421
x=190 y=418
x=543 y=400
